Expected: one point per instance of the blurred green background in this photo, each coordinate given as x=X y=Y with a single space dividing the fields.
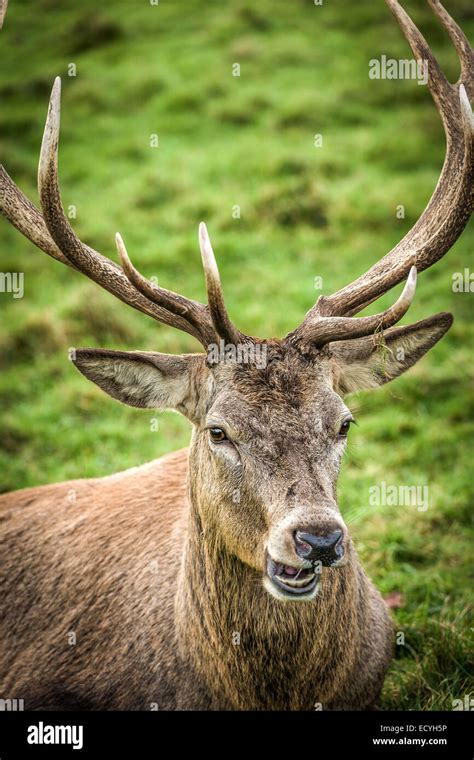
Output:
x=305 y=212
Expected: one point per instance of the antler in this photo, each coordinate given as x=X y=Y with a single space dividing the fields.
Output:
x=441 y=223
x=3 y=11
x=192 y=311
x=52 y=233
x=331 y=318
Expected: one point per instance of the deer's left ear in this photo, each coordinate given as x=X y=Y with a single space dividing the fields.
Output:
x=142 y=379
x=369 y=362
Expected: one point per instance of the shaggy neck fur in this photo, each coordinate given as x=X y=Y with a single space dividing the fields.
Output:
x=266 y=653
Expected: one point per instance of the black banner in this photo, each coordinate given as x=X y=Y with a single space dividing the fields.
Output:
x=146 y=735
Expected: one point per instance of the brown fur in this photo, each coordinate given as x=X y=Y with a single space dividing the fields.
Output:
x=103 y=584
x=142 y=590
x=156 y=578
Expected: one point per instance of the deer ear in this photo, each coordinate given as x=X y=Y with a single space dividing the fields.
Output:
x=142 y=379
x=369 y=362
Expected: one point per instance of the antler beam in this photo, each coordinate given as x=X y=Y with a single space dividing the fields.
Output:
x=448 y=210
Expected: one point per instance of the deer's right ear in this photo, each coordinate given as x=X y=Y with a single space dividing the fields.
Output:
x=142 y=379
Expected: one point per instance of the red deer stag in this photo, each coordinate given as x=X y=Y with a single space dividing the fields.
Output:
x=222 y=577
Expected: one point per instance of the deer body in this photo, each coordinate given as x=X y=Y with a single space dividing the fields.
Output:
x=226 y=579
x=152 y=627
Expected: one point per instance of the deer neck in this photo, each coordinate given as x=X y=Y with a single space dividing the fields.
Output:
x=232 y=631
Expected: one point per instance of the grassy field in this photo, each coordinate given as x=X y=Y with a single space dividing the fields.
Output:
x=305 y=212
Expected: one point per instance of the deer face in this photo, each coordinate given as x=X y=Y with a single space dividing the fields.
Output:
x=268 y=440
x=268 y=446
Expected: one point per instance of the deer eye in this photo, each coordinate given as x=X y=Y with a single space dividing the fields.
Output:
x=217 y=435
x=344 y=429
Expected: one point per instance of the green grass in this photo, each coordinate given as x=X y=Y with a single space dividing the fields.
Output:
x=305 y=212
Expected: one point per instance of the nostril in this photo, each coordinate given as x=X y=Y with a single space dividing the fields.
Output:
x=338 y=546
x=303 y=548
x=320 y=548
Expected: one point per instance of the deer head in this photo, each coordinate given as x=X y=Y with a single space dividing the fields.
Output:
x=270 y=422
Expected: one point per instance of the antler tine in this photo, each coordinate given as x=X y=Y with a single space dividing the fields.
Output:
x=192 y=311
x=450 y=206
x=328 y=329
x=94 y=265
x=220 y=318
x=461 y=44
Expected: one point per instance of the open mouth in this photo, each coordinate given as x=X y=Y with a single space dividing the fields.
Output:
x=293 y=581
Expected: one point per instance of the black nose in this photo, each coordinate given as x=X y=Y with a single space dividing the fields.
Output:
x=324 y=549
